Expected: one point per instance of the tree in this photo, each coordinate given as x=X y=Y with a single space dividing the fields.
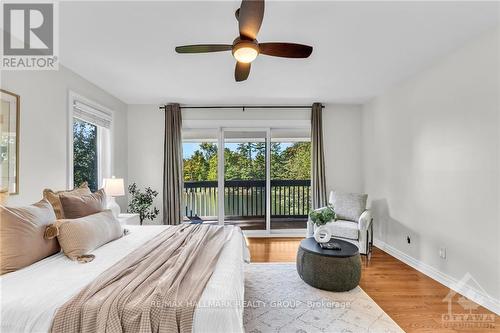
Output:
x=202 y=165
x=196 y=168
x=247 y=161
x=209 y=150
x=297 y=161
x=85 y=154
x=259 y=162
x=212 y=168
x=233 y=166
x=277 y=161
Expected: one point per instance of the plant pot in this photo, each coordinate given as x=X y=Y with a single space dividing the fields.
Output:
x=322 y=234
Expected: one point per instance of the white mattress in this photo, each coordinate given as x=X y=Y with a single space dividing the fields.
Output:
x=30 y=297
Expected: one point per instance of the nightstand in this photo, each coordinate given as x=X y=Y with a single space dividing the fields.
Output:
x=129 y=219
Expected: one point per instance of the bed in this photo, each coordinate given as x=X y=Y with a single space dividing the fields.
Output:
x=30 y=297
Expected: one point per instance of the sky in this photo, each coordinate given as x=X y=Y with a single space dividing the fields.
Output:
x=188 y=149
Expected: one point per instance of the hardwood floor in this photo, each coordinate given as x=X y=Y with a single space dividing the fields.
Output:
x=280 y=249
x=413 y=300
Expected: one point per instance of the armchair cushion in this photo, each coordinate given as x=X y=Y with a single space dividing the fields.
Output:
x=344 y=229
x=348 y=206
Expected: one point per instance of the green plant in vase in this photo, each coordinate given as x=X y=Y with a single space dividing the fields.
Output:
x=323 y=216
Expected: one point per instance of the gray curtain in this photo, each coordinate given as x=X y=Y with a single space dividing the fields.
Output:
x=172 y=166
x=318 y=179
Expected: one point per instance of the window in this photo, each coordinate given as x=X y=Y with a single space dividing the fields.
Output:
x=260 y=178
x=290 y=178
x=245 y=178
x=256 y=178
x=90 y=138
x=85 y=154
x=200 y=195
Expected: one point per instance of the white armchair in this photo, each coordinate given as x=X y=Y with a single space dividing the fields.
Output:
x=354 y=222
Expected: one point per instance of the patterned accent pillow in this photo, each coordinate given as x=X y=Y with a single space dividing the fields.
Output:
x=349 y=206
x=21 y=235
x=80 y=236
x=55 y=201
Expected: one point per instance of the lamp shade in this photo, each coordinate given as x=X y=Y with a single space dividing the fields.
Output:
x=114 y=187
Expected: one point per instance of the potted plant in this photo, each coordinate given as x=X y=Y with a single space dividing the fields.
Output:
x=141 y=202
x=320 y=217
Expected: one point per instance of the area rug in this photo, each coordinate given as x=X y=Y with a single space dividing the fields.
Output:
x=277 y=300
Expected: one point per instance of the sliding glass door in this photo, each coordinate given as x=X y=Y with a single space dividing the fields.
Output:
x=245 y=178
x=200 y=156
x=290 y=178
x=263 y=173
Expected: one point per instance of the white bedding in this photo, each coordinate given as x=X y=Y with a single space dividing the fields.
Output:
x=30 y=297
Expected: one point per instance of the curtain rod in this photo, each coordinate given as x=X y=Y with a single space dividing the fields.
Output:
x=244 y=107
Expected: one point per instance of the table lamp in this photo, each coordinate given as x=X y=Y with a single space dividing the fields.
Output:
x=114 y=187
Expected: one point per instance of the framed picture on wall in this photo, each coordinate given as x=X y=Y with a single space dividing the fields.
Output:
x=9 y=142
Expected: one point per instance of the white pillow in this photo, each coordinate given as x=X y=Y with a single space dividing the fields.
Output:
x=348 y=206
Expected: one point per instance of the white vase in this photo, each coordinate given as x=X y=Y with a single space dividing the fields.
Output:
x=322 y=234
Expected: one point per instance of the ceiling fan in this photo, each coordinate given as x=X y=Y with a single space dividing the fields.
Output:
x=245 y=48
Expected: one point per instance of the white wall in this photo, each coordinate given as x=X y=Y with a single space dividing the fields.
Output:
x=431 y=165
x=44 y=128
x=342 y=135
x=145 y=149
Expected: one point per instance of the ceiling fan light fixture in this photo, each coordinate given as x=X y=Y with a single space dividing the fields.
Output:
x=245 y=52
x=245 y=47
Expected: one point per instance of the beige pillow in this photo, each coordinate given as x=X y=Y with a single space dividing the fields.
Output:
x=53 y=197
x=80 y=236
x=21 y=235
x=75 y=206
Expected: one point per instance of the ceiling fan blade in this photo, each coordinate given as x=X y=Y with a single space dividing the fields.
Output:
x=285 y=50
x=202 y=48
x=250 y=16
x=241 y=71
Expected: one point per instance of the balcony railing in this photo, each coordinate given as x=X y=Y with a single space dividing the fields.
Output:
x=245 y=199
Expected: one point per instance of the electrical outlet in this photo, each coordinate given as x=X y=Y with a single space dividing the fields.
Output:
x=408 y=239
x=442 y=252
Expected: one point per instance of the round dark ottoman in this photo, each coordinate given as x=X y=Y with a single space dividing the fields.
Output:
x=333 y=270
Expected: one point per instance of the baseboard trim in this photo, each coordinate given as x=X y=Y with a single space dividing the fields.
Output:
x=477 y=296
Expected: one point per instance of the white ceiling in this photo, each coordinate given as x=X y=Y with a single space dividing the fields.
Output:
x=360 y=48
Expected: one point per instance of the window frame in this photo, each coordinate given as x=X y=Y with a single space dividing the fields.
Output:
x=72 y=98
x=210 y=125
